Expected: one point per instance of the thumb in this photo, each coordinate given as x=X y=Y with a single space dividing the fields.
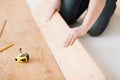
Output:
x=50 y=13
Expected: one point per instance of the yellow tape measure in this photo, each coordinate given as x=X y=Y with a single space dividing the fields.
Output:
x=22 y=57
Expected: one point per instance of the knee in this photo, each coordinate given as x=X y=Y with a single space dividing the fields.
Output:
x=98 y=28
x=94 y=32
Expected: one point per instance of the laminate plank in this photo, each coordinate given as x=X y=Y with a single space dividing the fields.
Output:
x=74 y=61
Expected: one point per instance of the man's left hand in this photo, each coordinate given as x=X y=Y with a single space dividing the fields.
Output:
x=74 y=34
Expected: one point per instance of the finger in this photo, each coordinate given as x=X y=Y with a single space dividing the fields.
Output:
x=72 y=41
x=50 y=13
x=68 y=40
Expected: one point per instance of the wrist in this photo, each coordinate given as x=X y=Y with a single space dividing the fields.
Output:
x=83 y=29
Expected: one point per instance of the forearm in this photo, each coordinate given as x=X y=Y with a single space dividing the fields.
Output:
x=58 y=2
x=94 y=10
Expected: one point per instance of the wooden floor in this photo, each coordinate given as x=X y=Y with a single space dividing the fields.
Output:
x=49 y=60
x=24 y=33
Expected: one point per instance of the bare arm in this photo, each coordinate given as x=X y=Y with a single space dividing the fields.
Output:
x=94 y=10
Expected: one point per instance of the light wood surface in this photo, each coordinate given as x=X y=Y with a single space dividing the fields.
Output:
x=74 y=61
x=24 y=33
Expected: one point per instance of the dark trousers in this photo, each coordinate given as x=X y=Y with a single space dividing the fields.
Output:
x=71 y=10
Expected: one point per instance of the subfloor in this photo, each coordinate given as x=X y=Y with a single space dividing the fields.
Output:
x=105 y=49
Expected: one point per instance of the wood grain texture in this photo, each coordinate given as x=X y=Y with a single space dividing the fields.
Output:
x=24 y=33
x=74 y=61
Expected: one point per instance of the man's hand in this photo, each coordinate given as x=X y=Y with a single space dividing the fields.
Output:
x=74 y=34
x=55 y=6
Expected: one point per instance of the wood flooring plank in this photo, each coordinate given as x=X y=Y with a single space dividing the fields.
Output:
x=75 y=62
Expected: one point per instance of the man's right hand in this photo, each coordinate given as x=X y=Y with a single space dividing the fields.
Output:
x=55 y=6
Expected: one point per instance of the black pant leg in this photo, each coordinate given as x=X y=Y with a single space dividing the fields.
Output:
x=103 y=20
x=72 y=9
